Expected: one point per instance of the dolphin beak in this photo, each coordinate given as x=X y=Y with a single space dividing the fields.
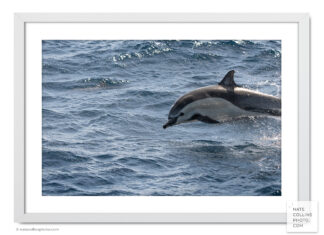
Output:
x=170 y=122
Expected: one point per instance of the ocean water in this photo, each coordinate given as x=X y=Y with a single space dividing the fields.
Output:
x=104 y=104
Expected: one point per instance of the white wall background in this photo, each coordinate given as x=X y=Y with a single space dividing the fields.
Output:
x=7 y=8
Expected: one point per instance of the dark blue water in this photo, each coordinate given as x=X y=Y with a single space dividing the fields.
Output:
x=104 y=104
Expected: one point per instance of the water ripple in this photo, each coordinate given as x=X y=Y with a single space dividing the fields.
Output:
x=104 y=103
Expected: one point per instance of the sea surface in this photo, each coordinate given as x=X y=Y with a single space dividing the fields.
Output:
x=104 y=104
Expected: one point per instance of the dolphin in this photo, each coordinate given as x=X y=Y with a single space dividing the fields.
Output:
x=223 y=102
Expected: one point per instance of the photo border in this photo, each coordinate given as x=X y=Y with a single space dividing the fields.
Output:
x=20 y=214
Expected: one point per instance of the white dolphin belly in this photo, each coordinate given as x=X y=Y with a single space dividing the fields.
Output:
x=217 y=109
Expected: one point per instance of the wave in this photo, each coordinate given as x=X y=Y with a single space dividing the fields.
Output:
x=142 y=163
x=58 y=189
x=205 y=56
x=265 y=54
x=51 y=114
x=50 y=68
x=113 y=193
x=143 y=50
x=158 y=94
x=104 y=157
x=85 y=83
x=206 y=44
x=272 y=190
x=88 y=113
x=57 y=158
x=83 y=181
x=157 y=48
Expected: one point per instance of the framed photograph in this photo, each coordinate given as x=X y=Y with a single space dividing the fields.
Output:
x=161 y=118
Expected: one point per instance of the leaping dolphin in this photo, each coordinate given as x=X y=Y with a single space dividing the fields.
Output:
x=223 y=102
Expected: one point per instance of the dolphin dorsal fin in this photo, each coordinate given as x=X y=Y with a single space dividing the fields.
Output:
x=228 y=80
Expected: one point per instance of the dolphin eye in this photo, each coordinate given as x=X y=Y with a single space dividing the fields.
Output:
x=181 y=114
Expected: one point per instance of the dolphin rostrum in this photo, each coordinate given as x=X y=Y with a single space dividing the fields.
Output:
x=223 y=102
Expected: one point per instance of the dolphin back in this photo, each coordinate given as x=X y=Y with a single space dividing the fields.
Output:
x=256 y=101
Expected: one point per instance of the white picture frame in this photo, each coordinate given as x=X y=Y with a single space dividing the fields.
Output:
x=21 y=19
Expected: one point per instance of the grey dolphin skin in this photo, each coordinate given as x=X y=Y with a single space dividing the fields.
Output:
x=223 y=102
